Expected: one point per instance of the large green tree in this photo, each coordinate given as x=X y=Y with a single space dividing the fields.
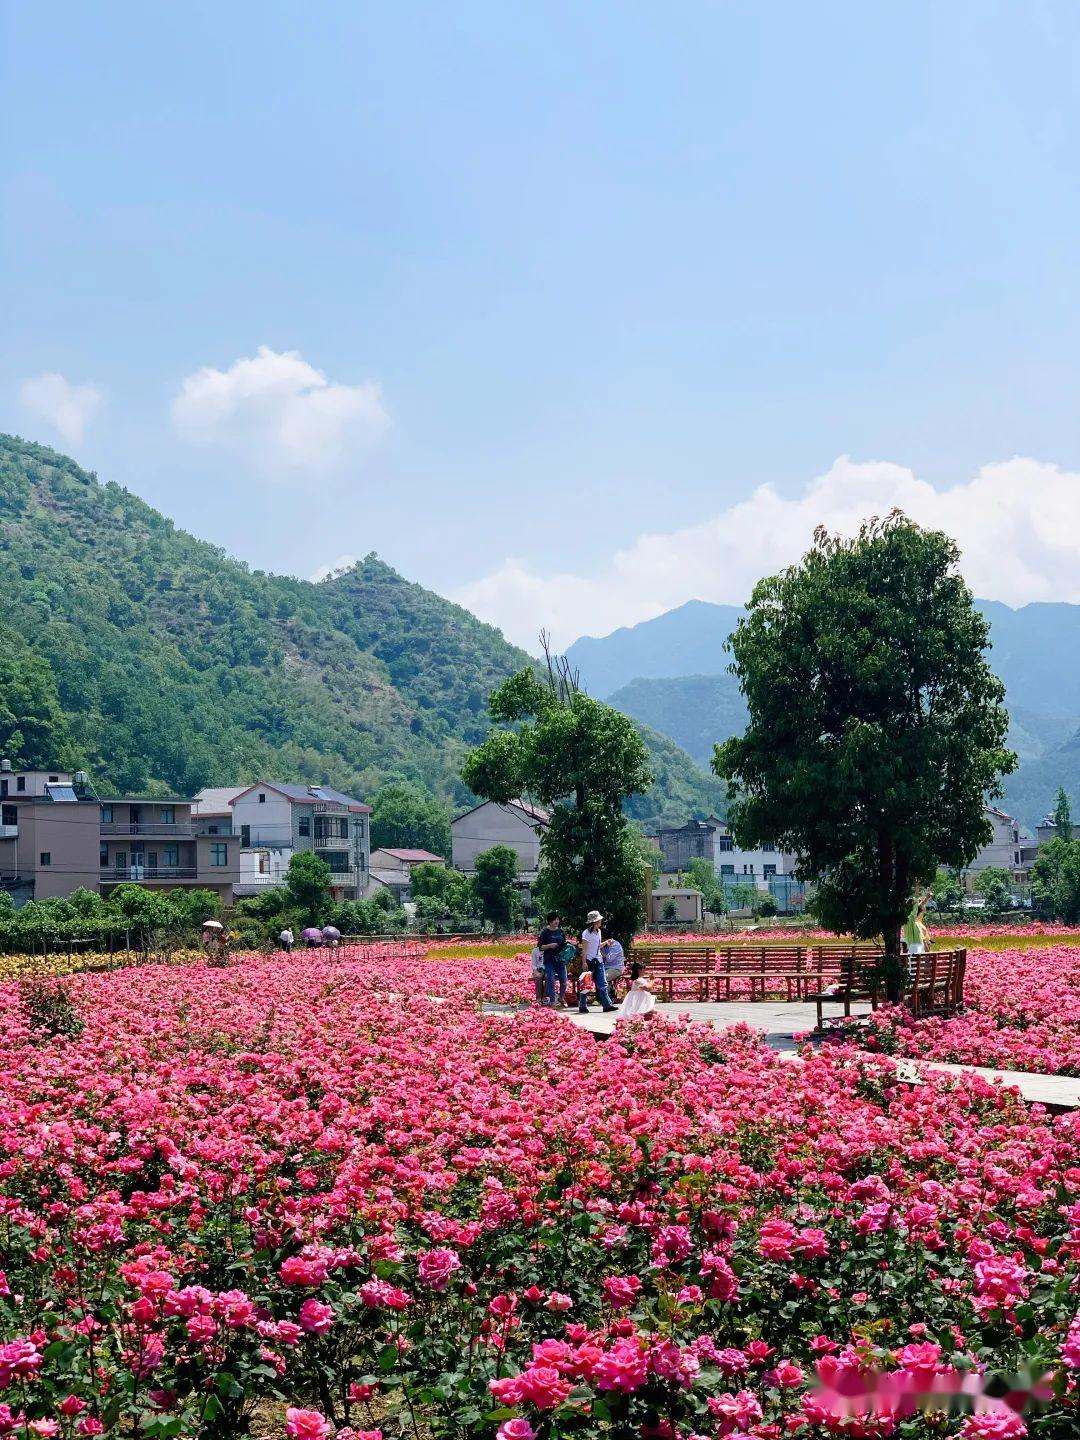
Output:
x=1063 y=814
x=401 y=816
x=583 y=759
x=496 y=872
x=877 y=728
x=1055 y=879
x=307 y=882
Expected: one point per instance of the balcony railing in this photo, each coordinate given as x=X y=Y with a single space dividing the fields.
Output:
x=145 y=827
x=9 y=832
x=149 y=872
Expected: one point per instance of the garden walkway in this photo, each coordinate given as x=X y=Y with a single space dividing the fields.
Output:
x=781 y=1022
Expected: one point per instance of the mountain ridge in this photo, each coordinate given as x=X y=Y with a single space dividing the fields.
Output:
x=638 y=670
x=169 y=664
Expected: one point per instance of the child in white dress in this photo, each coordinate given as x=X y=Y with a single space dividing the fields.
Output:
x=639 y=1002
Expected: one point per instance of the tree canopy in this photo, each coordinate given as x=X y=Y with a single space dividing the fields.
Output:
x=1062 y=815
x=877 y=728
x=496 y=872
x=401 y=816
x=583 y=759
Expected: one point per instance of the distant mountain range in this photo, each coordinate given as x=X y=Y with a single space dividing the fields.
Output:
x=671 y=674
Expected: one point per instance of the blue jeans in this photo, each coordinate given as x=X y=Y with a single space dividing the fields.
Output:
x=599 y=975
x=554 y=968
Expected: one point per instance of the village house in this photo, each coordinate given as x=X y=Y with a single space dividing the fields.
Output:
x=518 y=824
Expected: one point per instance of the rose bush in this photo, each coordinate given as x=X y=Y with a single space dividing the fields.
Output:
x=1022 y=1013
x=284 y=1180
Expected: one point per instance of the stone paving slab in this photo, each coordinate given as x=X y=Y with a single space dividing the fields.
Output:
x=781 y=1022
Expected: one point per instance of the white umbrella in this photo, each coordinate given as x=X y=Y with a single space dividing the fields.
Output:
x=212 y=925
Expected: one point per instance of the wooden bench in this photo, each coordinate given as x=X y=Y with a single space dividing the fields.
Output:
x=937 y=982
x=765 y=969
x=935 y=985
x=694 y=964
x=844 y=973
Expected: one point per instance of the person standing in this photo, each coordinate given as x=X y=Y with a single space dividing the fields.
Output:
x=591 y=940
x=285 y=940
x=550 y=943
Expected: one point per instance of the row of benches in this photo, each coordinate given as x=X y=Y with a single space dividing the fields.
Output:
x=822 y=973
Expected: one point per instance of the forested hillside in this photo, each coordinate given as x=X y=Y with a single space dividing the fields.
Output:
x=158 y=662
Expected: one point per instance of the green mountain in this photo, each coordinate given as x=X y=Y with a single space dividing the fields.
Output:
x=697 y=711
x=157 y=662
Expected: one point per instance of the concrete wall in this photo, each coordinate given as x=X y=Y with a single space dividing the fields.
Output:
x=68 y=835
x=272 y=823
x=492 y=824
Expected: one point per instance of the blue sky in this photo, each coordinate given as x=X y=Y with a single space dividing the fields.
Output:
x=559 y=277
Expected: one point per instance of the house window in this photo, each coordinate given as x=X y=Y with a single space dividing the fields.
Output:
x=304 y=826
x=170 y=855
x=245 y=837
x=343 y=829
x=219 y=854
x=20 y=782
x=120 y=859
x=168 y=814
x=45 y=858
x=770 y=871
x=725 y=842
x=54 y=779
x=103 y=855
x=9 y=815
x=264 y=863
x=1016 y=857
x=768 y=846
x=262 y=797
x=338 y=860
x=106 y=815
x=727 y=869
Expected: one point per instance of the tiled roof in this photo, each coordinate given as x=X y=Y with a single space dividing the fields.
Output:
x=533 y=811
x=216 y=799
x=415 y=857
x=308 y=794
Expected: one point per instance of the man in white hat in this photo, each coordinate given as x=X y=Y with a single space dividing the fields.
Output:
x=591 y=940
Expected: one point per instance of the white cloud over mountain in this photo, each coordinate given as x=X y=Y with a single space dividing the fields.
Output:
x=1017 y=523
x=279 y=413
x=67 y=408
x=343 y=562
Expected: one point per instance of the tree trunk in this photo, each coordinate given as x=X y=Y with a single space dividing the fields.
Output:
x=893 y=966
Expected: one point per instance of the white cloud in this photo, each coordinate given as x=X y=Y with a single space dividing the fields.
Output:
x=67 y=408
x=343 y=562
x=280 y=413
x=1017 y=523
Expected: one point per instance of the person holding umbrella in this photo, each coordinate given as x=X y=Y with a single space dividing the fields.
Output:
x=331 y=936
x=312 y=936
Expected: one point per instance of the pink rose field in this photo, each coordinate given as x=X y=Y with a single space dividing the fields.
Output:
x=1022 y=1013
x=300 y=1193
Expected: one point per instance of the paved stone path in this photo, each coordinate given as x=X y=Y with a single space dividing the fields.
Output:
x=782 y=1022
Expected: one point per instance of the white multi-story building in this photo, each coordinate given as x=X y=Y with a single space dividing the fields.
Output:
x=274 y=819
x=1012 y=848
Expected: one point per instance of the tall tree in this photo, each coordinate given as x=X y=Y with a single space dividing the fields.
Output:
x=1062 y=815
x=496 y=871
x=583 y=759
x=401 y=816
x=307 y=881
x=877 y=728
